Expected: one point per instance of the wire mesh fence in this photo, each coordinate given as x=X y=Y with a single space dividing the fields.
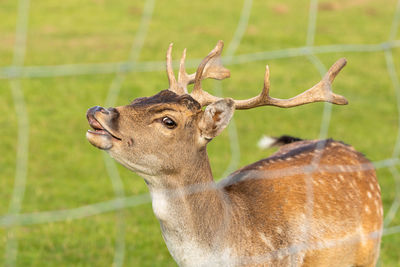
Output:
x=17 y=71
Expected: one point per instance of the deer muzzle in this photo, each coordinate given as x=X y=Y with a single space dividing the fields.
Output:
x=99 y=120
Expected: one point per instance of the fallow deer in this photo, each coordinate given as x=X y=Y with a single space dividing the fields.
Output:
x=313 y=203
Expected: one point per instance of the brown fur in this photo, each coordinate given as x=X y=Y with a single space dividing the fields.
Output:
x=279 y=201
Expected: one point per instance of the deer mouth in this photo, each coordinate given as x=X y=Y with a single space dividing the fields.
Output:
x=99 y=129
x=100 y=136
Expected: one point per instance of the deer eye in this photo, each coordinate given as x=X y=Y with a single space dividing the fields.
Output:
x=170 y=124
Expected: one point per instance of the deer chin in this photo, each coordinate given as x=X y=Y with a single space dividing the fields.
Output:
x=100 y=139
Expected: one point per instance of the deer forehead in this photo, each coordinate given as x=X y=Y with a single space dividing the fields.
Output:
x=166 y=97
x=164 y=103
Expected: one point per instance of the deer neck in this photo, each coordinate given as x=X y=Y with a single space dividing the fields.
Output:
x=192 y=211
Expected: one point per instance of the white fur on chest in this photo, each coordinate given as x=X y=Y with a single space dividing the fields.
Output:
x=161 y=205
x=184 y=246
x=189 y=253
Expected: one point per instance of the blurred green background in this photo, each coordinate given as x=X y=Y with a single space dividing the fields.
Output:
x=72 y=53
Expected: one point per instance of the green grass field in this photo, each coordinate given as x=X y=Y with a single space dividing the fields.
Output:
x=65 y=172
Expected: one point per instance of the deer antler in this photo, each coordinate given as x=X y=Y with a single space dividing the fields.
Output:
x=211 y=67
x=321 y=92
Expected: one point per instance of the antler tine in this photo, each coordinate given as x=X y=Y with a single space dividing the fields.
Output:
x=173 y=85
x=170 y=70
x=183 y=78
x=321 y=92
x=335 y=69
x=262 y=99
x=210 y=67
x=265 y=91
x=199 y=73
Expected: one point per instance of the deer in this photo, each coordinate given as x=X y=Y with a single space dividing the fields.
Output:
x=311 y=203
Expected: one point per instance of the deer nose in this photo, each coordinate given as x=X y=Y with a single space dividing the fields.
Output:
x=95 y=109
x=102 y=110
x=110 y=113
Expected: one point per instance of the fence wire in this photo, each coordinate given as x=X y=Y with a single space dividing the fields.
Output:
x=18 y=71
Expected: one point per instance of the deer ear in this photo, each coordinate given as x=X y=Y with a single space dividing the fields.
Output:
x=215 y=118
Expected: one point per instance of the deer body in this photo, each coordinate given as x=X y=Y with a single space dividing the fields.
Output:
x=313 y=203
x=256 y=216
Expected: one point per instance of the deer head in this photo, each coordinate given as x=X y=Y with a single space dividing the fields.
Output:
x=160 y=134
